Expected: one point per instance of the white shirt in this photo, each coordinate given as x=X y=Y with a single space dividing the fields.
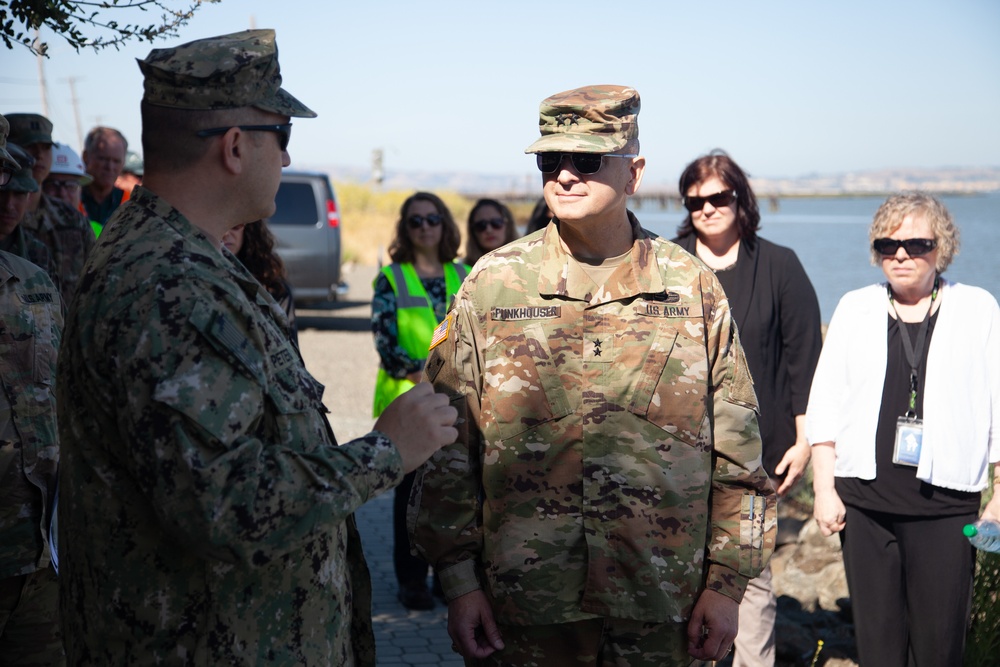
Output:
x=961 y=401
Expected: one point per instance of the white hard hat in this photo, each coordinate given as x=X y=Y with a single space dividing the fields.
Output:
x=66 y=161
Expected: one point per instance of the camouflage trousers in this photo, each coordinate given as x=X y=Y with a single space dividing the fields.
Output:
x=29 y=621
x=599 y=642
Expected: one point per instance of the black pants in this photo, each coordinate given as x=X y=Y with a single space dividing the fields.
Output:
x=409 y=568
x=910 y=580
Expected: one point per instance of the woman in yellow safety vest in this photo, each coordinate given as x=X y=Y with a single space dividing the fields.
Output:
x=412 y=295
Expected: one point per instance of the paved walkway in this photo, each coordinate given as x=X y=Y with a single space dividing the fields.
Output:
x=403 y=637
x=336 y=344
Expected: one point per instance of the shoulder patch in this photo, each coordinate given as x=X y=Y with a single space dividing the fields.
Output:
x=441 y=332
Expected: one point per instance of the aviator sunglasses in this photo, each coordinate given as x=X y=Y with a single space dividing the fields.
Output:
x=418 y=221
x=913 y=247
x=284 y=131
x=718 y=200
x=585 y=163
x=481 y=225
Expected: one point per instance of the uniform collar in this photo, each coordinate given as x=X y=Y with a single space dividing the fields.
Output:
x=560 y=276
x=199 y=242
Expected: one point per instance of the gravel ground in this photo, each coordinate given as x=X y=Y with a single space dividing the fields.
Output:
x=337 y=347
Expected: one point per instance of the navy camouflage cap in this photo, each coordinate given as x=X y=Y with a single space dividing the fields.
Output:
x=7 y=161
x=592 y=119
x=21 y=180
x=225 y=72
x=29 y=128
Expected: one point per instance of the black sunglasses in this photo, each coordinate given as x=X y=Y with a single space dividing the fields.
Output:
x=418 y=221
x=718 y=200
x=913 y=247
x=284 y=131
x=481 y=225
x=585 y=163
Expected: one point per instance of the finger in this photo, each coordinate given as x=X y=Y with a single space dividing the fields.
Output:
x=491 y=634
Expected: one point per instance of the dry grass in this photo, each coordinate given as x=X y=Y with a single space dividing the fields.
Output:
x=369 y=218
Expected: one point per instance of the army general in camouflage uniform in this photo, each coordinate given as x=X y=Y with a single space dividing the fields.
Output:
x=205 y=507
x=605 y=502
x=30 y=329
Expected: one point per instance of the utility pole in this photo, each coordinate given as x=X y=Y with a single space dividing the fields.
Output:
x=76 y=110
x=41 y=76
x=378 y=171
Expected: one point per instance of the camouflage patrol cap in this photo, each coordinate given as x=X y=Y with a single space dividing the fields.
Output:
x=592 y=119
x=21 y=180
x=29 y=128
x=7 y=161
x=225 y=72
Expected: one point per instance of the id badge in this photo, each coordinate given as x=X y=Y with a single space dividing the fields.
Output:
x=909 y=437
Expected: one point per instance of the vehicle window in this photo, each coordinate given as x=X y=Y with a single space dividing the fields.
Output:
x=296 y=205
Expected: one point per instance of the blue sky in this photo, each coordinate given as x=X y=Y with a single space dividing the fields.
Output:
x=787 y=87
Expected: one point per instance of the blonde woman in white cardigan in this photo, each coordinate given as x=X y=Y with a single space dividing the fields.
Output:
x=904 y=419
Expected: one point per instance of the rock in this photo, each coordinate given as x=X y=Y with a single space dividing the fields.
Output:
x=813 y=602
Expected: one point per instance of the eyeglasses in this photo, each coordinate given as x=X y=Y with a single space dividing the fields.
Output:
x=718 y=200
x=913 y=247
x=418 y=221
x=585 y=163
x=60 y=184
x=479 y=226
x=284 y=131
x=5 y=177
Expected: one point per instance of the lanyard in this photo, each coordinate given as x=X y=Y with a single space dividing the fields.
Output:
x=914 y=356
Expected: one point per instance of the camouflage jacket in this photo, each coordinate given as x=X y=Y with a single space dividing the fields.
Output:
x=205 y=512
x=24 y=244
x=611 y=465
x=68 y=236
x=30 y=330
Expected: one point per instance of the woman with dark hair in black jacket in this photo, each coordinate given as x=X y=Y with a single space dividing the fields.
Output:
x=777 y=314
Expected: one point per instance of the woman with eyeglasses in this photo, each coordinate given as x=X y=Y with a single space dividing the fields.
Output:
x=777 y=314
x=412 y=296
x=490 y=226
x=904 y=419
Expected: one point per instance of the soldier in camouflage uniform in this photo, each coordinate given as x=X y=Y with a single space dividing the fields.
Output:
x=63 y=229
x=30 y=330
x=15 y=197
x=605 y=501
x=205 y=507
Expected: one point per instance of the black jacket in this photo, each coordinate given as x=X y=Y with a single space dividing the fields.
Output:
x=777 y=314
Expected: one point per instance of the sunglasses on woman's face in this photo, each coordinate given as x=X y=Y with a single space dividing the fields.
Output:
x=718 y=200
x=913 y=247
x=418 y=221
x=479 y=226
x=584 y=163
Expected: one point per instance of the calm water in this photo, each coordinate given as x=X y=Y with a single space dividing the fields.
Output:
x=830 y=236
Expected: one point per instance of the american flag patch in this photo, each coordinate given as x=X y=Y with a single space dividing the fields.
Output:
x=440 y=333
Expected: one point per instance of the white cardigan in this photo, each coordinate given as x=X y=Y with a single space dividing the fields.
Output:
x=961 y=404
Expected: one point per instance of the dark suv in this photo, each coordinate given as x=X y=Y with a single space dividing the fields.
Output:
x=306 y=226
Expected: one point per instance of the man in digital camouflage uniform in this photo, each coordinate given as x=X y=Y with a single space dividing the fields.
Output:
x=605 y=502
x=205 y=507
x=63 y=229
x=30 y=329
